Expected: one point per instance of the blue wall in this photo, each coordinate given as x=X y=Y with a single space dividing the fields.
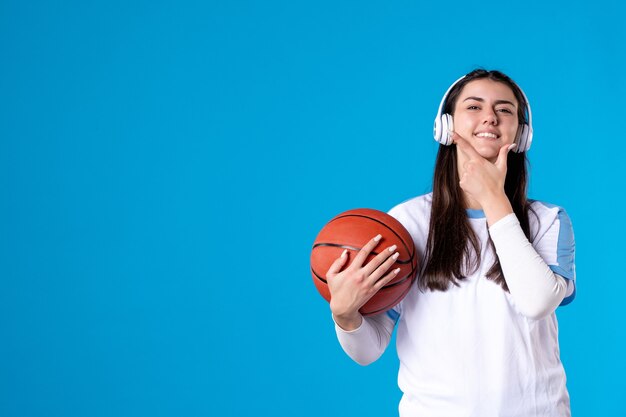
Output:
x=165 y=167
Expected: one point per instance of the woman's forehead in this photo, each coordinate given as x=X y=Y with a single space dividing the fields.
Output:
x=488 y=90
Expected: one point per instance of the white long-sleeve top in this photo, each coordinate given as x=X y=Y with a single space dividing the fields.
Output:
x=476 y=346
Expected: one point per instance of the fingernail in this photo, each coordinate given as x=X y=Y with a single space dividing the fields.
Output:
x=345 y=251
x=392 y=248
x=395 y=271
x=512 y=147
x=395 y=255
x=377 y=238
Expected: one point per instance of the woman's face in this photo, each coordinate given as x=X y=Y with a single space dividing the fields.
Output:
x=485 y=114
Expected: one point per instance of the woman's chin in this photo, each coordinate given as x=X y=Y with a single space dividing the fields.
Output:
x=488 y=152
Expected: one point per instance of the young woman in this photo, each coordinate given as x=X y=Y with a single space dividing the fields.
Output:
x=477 y=335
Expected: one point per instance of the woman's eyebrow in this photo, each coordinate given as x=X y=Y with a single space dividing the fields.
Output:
x=495 y=102
x=474 y=98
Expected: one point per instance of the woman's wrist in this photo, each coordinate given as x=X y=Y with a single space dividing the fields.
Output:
x=497 y=207
x=348 y=322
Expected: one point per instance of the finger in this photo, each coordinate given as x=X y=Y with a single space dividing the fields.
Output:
x=382 y=269
x=379 y=259
x=385 y=280
x=338 y=264
x=365 y=251
x=465 y=147
x=503 y=155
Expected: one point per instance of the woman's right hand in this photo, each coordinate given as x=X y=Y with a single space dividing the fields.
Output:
x=351 y=288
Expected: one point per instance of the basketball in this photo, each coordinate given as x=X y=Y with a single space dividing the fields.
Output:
x=351 y=230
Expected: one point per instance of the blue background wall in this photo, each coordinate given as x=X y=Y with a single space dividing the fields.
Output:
x=165 y=167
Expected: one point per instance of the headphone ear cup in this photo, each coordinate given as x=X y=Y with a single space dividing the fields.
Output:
x=437 y=129
x=528 y=137
x=523 y=142
x=448 y=125
x=441 y=130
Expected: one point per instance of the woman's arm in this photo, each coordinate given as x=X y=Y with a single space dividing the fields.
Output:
x=366 y=343
x=536 y=290
x=363 y=339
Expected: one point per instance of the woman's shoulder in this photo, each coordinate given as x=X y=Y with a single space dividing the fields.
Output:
x=543 y=209
x=544 y=216
x=414 y=213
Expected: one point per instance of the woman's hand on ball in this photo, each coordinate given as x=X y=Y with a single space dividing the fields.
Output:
x=351 y=288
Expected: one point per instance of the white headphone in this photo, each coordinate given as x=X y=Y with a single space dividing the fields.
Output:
x=444 y=124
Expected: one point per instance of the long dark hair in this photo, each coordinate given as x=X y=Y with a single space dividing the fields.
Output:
x=452 y=249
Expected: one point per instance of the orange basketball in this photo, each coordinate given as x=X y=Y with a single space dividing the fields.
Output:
x=351 y=230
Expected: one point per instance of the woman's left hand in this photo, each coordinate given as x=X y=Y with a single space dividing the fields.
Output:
x=480 y=178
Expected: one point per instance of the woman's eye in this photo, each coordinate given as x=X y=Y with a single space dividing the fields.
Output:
x=505 y=111
x=473 y=108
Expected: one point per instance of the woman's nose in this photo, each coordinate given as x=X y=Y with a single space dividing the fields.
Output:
x=490 y=118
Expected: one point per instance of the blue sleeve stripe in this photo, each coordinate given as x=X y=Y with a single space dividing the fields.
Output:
x=562 y=272
x=569 y=299
x=565 y=247
x=393 y=315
